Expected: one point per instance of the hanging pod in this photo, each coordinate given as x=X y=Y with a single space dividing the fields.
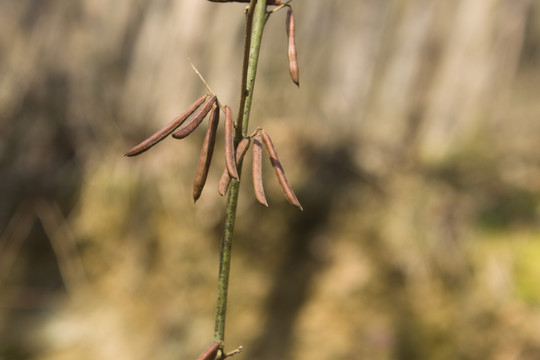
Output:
x=276 y=164
x=166 y=131
x=225 y=179
x=206 y=153
x=229 y=144
x=195 y=120
x=293 y=61
x=257 y=171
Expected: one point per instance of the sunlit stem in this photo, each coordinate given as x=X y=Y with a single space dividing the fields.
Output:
x=255 y=20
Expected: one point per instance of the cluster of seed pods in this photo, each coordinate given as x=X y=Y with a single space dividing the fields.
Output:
x=189 y=120
x=259 y=138
x=186 y=123
x=183 y=125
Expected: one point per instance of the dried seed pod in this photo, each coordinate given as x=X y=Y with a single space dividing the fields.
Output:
x=257 y=171
x=166 y=131
x=241 y=150
x=211 y=352
x=276 y=164
x=206 y=153
x=269 y=2
x=224 y=182
x=229 y=144
x=196 y=119
x=293 y=61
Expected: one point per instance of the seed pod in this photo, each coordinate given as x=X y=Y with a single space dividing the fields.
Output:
x=269 y=2
x=196 y=119
x=293 y=62
x=229 y=144
x=166 y=131
x=206 y=154
x=241 y=150
x=257 y=171
x=211 y=352
x=276 y=164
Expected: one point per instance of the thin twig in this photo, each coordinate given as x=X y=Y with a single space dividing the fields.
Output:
x=280 y=7
x=205 y=83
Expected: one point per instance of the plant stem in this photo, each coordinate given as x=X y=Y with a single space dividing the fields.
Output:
x=225 y=260
x=255 y=21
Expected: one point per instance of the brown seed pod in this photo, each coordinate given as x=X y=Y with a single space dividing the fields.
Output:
x=293 y=61
x=257 y=171
x=241 y=150
x=211 y=352
x=206 y=154
x=195 y=120
x=166 y=131
x=229 y=144
x=269 y=2
x=276 y=164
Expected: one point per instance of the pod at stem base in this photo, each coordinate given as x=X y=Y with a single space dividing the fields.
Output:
x=211 y=352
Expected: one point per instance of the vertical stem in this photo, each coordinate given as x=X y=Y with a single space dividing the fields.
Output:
x=259 y=20
x=245 y=63
x=225 y=260
x=255 y=21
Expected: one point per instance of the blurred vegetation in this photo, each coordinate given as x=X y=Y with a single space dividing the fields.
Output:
x=412 y=144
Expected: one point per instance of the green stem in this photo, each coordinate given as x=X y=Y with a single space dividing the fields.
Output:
x=256 y=19
x=259 y=20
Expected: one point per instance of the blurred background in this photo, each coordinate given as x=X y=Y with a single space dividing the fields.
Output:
x=412 y=144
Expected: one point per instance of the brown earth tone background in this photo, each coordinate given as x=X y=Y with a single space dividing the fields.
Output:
x=412 y=144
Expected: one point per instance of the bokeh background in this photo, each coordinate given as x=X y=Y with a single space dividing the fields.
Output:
x=412 y=143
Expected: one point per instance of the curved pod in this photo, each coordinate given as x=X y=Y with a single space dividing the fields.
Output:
x=166 y=131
